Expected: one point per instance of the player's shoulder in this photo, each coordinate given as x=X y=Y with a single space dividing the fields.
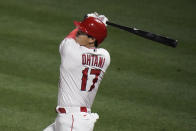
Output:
x=68 y=42
x=104 y=51
x=106 y=55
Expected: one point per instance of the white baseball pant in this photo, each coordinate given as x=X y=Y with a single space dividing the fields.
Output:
x=73 y=121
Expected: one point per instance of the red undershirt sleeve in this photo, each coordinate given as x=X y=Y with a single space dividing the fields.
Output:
x=72 y=34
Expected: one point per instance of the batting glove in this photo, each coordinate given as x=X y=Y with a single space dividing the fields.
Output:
x=103 y=19
x=96 y=15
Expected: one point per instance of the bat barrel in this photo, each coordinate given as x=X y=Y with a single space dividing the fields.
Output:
x=148 y=35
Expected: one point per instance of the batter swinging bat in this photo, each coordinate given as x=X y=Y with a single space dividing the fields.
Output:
x=148 y=35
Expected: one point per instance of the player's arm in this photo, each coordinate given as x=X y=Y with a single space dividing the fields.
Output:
x=96 y=15
x=72 y=34
x=103 y=18
x=68 y=41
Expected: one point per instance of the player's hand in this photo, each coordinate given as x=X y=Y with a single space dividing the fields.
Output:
x=103 y=18
x=95 y=14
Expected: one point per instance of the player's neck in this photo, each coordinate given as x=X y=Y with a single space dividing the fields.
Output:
x=89 y=46
x=85 y=44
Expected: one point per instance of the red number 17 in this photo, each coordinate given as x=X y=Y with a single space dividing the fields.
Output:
x=95 y=72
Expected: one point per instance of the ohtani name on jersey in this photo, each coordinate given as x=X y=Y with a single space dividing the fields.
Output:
x=93 y=60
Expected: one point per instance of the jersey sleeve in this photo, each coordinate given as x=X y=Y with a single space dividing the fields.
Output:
x=67 y=45
x=107 y=61
x=69 y=40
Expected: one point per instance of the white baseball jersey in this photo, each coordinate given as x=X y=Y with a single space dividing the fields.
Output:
x=81 y=72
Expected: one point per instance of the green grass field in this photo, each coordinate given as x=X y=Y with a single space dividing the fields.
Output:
x=148 y=86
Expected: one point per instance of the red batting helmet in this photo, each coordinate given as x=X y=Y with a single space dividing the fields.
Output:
x=93 y=27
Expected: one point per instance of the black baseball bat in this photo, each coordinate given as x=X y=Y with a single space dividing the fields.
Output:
x=148 y=35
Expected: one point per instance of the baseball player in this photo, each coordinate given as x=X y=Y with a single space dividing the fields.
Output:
x=82 y=67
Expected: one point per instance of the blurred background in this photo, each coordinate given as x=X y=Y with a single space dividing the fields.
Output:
x=148 y=86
